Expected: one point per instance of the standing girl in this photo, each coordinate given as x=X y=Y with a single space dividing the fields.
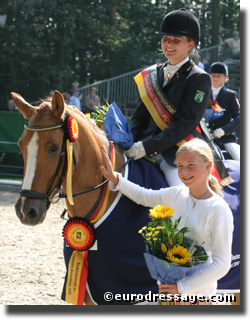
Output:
x=173 y=95
x=203 y=211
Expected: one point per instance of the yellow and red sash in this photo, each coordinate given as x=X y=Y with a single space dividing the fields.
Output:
x=163 y=113
x=77 y=270
x=161 y=110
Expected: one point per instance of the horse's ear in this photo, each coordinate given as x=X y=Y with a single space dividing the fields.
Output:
x=58 y=105
x=23 y=106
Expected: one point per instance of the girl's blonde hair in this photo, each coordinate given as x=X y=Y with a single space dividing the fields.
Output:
x=201 y=148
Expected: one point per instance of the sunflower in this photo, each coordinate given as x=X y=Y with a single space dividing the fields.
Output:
x=179 y=255
x=161 y=212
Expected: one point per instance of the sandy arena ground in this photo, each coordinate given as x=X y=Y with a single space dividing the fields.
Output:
x=32 y=267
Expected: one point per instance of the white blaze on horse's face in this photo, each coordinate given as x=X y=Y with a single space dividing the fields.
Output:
x=32 y=151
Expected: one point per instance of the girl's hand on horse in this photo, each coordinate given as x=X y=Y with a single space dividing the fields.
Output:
x=107 y=169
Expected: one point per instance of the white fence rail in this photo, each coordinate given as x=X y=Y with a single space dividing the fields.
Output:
x=122 y=89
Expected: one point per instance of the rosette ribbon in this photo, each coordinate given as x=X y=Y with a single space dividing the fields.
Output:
x=72 y=131
x=79 y=235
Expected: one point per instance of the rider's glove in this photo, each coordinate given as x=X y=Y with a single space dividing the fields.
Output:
x=218 y=133
x=136 y=151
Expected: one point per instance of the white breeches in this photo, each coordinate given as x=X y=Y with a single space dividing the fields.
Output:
x=171 y=174
x=234 y=150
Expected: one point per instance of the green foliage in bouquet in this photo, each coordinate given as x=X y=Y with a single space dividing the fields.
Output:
x=166 y=242
x=99 y=115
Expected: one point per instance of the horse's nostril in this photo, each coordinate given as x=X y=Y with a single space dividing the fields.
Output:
x=32 y=214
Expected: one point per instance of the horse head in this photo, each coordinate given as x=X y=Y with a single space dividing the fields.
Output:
x=43 y=148
x=40 y=150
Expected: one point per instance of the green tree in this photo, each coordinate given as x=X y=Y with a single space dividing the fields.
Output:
x=49 y=44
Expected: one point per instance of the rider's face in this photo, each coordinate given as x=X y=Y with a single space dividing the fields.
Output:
x=176 y=49
x=218 y=79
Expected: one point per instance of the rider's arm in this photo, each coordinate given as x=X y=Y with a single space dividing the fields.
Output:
x=234 y=109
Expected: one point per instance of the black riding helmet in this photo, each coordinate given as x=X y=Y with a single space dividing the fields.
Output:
x=181 y=23
x=219 y=68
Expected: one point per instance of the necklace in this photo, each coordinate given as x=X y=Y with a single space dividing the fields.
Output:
x=194 y=201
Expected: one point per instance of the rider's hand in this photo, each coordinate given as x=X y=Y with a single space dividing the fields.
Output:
x=107 y=169
x=136 y=151
x=218 y=133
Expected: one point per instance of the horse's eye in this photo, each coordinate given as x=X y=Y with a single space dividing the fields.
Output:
x=53 y=148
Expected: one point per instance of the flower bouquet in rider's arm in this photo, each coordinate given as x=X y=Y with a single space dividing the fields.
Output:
x=170 y=255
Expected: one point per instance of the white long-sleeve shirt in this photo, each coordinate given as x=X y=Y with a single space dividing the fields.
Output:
x=210 y=221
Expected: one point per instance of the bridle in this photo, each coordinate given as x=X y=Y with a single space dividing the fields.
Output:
x=62 y=163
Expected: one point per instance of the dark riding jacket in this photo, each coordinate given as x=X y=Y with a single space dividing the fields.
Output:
x=180 y=90
x=227 y=99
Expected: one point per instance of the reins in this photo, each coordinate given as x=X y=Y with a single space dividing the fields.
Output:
x=64 y=195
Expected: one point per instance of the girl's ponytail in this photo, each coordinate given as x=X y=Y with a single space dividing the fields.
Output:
x=214 y=185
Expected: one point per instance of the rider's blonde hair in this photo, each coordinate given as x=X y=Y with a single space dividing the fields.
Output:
x=201 y=148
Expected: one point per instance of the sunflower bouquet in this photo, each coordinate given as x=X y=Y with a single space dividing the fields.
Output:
x=170 y=255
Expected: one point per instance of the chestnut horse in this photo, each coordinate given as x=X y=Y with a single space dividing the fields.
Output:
x=43 y=149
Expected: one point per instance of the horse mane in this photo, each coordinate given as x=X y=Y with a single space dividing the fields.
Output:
x=45 y=107
x=91 y=124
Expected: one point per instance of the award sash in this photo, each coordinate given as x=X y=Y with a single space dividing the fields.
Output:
x=161 y=109
x=163 y=113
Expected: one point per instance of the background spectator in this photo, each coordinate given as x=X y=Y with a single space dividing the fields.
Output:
x=75 y=89
x=197 y=61
x=92 y=100
x=206 y=65
x=234 y=44
x=11 y=106
x=51 y=93
x=72 y=100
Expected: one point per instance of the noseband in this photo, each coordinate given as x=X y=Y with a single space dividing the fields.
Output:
x=49 y=195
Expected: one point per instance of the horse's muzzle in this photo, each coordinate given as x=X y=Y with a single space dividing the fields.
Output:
x=31 y=211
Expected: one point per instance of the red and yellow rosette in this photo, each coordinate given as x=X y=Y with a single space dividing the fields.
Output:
x=73 y=129
x=79 y=234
